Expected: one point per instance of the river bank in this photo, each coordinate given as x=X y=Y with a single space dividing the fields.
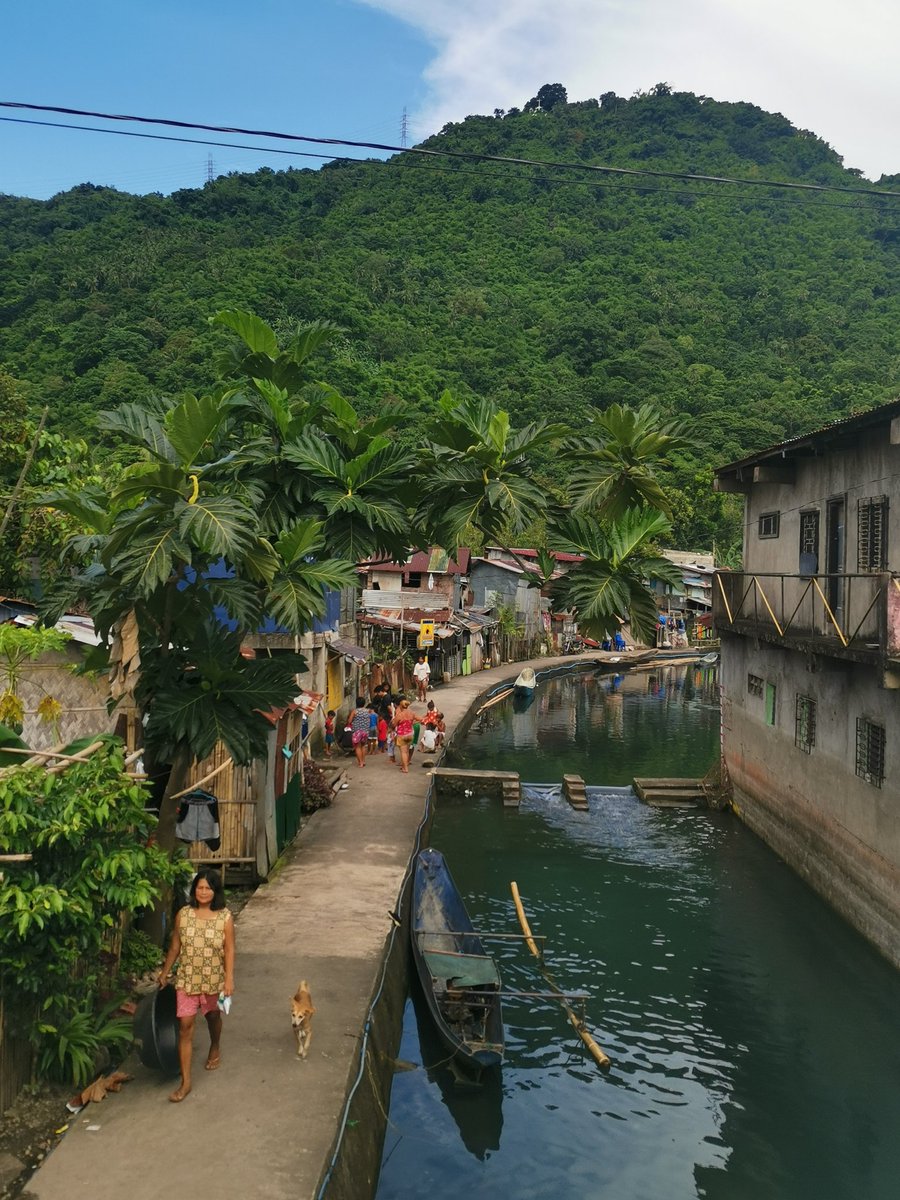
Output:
x=265 y=1124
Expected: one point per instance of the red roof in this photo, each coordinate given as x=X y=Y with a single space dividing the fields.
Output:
x=420 y=561
x=559 y=555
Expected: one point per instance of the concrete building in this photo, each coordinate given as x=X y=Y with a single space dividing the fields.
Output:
x=810 y=663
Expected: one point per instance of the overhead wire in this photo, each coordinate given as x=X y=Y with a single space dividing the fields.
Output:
x=555 y=181
x=453 y=154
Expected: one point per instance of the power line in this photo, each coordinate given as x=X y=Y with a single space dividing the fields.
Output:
x=641 y=189
x=456 y=154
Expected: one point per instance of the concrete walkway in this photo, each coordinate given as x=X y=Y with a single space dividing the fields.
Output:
x=263 y=1126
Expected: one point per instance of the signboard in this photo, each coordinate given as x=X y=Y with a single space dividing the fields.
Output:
x=426 y=634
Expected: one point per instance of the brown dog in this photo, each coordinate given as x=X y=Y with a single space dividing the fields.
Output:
x=301 y=1017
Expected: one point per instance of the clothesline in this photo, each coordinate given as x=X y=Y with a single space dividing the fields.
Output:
x=200 y=782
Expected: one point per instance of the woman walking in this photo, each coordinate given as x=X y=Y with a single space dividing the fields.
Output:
x=402 y=725
x=360 y=721
x=203 y=944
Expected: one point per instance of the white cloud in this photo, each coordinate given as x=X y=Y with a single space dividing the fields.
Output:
x=828 y=65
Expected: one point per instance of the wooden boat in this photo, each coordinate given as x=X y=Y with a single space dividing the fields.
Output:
x=459 y=978
x=526 y=682
x=623 y=660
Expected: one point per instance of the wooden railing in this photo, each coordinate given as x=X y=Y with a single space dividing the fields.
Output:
x=857 y=614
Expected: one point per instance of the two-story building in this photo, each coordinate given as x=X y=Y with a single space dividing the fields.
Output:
x=810 y=662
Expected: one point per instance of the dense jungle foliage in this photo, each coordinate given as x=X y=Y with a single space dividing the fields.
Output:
x=755 y=312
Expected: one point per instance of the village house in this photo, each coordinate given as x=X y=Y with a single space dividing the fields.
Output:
x=810 y=662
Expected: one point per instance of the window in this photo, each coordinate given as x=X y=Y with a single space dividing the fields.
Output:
x=770 y=703
x=768 y=524
x=809 y=542
x=754 y=685
x=872 y=516
x=805 y=723
x=414 y=579
x=870 y=751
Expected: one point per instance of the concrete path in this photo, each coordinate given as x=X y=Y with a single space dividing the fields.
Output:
x=262 y=1127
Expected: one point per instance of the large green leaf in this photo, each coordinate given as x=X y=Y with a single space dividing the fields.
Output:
x=218 y=525
x=149 y=557
x=160 y=480
x=252 y=330
x=302 y=539
x=143 y=426
x=192 y=425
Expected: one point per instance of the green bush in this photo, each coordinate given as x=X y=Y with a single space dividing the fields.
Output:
x=139 y=955
x=316 y=791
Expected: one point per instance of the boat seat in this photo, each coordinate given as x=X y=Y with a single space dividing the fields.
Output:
x=463 y=970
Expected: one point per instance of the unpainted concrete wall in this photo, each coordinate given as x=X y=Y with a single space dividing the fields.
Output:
x=839 y=832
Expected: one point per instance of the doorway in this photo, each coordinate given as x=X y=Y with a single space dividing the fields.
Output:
x=836 y=539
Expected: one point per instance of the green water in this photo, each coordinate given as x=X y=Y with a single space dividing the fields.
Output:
x=752 y=1033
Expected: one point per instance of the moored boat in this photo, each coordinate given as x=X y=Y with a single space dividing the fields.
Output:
x=459 y=978
x=526 y=681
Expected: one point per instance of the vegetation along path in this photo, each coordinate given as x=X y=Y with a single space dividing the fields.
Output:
x=264 y=1125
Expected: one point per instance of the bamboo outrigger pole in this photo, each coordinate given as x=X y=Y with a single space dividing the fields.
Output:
x=601 y=1059
x=494 y=700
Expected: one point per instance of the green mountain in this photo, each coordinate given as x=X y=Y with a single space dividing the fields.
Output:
x=757 y=311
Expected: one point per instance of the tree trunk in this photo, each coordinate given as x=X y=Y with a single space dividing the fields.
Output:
x=155 y=922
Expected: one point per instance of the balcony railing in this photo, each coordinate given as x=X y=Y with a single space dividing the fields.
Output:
x=855 y=616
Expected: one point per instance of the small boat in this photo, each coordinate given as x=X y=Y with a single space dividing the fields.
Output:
x=526 y=682
x=709 y=659
x=459 y=978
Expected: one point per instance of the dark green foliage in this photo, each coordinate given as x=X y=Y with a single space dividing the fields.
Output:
x=752 y=314
x=316 y=791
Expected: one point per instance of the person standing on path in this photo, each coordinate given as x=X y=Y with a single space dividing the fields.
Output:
x=360 y=721
x=402 y=725
x=421 y=674
x=203 y=944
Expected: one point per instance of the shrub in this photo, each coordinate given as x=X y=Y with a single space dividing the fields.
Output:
x=316 y=790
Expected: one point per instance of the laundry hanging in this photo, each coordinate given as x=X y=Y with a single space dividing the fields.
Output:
x=198 y=819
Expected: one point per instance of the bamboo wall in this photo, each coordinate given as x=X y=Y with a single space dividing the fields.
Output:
x=16 y=1061
x=233 y=788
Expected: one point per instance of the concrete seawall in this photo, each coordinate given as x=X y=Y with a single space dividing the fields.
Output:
x=267 y=1125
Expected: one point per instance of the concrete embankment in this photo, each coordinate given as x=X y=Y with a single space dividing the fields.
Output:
x=266 y=1124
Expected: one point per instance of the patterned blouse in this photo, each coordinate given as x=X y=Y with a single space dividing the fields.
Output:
x=201 y=963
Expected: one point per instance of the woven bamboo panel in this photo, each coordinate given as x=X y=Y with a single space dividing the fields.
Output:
x=233 y=787
x=83 y=701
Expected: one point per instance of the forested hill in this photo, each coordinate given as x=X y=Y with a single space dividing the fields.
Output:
x=760 y=312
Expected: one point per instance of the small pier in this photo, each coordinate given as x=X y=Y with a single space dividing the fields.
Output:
x=671 y=793
x=454 y=780
x=573 y=790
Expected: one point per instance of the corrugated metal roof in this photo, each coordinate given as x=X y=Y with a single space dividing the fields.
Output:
x=874 y=416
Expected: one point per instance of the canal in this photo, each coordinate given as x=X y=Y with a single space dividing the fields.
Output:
x=752 y=1033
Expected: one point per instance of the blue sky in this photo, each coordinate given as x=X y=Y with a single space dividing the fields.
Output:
x=347 y=68
x=326 y=68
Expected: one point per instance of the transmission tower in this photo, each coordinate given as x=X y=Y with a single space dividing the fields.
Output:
x=404 y=129
x=210 y=170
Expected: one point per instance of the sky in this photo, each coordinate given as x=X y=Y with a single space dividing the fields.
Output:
x=349 y=69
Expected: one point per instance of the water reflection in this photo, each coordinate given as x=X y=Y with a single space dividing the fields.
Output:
x=751 y=1031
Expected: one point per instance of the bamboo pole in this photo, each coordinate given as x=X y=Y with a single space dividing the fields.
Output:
x=200 y=782
x=523 y=921
x=494 y=700
x=601 y=1059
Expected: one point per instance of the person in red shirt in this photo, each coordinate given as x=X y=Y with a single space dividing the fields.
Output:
x=382 y=734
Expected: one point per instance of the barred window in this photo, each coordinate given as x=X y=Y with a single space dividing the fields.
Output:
x=771 y=696
x=870 y=741
x=769 y=524
x=755 y=685
x=809 y=542
x=805 y=723
x=872 y=519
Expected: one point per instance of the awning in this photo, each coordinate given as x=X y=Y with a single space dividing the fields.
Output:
x=308 y=702
x=348 y=650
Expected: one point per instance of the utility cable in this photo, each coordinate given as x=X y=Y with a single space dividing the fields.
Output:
x=508 y=177
x=455 y=154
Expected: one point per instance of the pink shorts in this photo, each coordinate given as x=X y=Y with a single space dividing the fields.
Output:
x=360 y=737
x=189 y=1006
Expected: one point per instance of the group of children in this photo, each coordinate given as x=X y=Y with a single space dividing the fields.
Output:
x=386 y=725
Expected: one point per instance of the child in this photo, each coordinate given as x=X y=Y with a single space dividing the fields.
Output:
x=440 y=729
x=382 y=733
x=329 y=731
x=430 y=715
x=373 y=726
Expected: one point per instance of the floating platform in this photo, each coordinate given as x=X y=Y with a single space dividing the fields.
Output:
x=671 y=793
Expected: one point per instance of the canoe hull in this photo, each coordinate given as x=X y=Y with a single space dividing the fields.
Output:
x=459 y=979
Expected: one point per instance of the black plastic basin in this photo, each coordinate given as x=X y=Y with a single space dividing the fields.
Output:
x=156 y=1031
